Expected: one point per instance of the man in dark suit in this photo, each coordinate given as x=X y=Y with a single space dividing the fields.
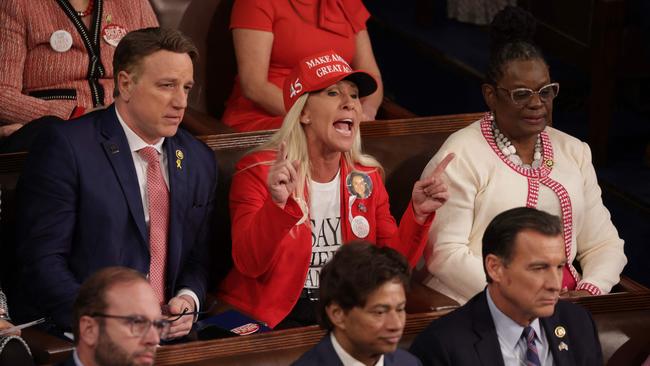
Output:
x=518 y=319
x=362 y=303
x=117 y=320
x=122 y=186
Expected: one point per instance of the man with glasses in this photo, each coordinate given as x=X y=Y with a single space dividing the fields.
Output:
x=117 y=320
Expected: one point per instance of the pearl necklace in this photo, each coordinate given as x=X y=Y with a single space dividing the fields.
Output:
x=510 y=152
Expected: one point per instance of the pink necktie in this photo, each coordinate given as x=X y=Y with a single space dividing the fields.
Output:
x=158 y=221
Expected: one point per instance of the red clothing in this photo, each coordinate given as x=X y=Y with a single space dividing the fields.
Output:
x=29 y=64
x=296 y=34
x=271 y=254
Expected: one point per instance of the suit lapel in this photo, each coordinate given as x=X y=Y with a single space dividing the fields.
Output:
x=555 y=342
x=179 y=199
x=118 y=154
x=487 y=347
x=327 y=353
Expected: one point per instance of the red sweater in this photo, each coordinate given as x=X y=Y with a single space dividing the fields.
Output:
x=28 y=63
x=271 y=253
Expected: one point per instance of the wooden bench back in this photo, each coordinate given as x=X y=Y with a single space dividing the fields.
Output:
x=619 y=318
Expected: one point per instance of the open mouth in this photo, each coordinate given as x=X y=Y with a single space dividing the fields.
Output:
x=344 y=126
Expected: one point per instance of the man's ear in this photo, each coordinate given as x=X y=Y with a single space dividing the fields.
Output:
x=336 y=314
x=490 y=96
x=494 y=267
x=125 y=83
x=88 y=331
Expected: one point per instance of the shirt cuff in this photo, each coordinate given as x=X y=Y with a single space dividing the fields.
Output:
x=190 y=293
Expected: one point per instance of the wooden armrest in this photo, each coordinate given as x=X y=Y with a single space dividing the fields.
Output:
x=422 y=299
x=46 y=348
x=627 y=284
x=201 y=124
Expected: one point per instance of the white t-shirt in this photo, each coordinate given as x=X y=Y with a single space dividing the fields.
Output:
x=325 y=216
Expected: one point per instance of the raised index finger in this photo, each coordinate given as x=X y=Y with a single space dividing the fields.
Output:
x=443 y=165
x=282 y=152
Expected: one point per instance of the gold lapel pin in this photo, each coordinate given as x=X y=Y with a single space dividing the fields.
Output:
x=549 y=163
x=560 y=332
x=179 y=159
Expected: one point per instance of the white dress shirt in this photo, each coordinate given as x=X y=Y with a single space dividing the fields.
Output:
x=513 y=346
x=75 y=357
x=345 y=357
x=136 y=143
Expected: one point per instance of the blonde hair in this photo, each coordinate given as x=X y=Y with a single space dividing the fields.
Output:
x=293 y=134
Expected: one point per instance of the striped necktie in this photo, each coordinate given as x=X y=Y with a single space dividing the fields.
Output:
x=532 y=357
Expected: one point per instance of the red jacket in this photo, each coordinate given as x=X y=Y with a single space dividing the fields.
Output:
x=271 y=254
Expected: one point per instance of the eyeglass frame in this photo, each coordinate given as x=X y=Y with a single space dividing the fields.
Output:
x=159 y=324
x=532 y=92
x=174 y=317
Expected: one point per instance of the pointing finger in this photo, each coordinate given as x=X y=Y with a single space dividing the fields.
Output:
x=443 y=165
x=282 y=152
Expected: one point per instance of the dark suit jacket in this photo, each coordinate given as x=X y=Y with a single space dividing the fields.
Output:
x=467 y=336
x=68 y=362
x=323 y=354
x=80 y=210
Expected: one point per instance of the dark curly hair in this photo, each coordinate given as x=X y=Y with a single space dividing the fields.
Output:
x=511 y=38
x=358 y=269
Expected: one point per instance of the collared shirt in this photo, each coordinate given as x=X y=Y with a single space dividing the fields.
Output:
x=513 y=346
x=75 y=357
x=136 y=143
x=345 y=357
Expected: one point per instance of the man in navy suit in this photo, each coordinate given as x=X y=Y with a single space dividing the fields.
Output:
x=117 y=320
x=362 y=305
x=122 y=186
x=518 y=319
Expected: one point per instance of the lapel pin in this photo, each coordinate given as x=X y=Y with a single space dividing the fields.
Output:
x=560 y=332
x=179 y=159
x=563 y=347
x=549 y=163
x=362 y=208
x=113 y=149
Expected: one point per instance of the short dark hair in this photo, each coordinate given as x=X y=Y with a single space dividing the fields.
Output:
x=91 y=298
x=141 y=43
x=511 y=38
x=500 y=234
x=356 y=270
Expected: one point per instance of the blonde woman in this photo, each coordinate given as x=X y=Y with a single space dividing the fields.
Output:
x=293 y=202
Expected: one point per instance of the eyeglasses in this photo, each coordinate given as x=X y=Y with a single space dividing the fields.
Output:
x=139 y=324
x=522 y=96
x=185 y=312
